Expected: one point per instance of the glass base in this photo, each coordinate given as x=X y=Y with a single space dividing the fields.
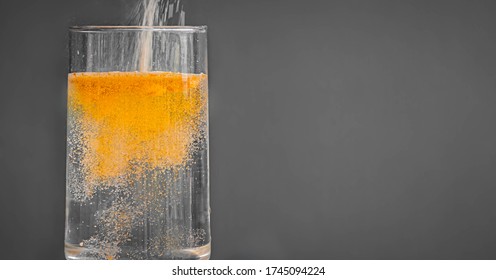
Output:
x=76 y=252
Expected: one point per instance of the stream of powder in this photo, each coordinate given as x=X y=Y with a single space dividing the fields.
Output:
x=155 y=13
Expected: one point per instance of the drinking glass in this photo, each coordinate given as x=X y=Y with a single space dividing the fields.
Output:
x=137 y=143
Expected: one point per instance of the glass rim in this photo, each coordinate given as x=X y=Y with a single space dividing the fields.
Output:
x=108 y=28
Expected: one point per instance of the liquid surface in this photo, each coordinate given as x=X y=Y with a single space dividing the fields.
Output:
x=137 y=171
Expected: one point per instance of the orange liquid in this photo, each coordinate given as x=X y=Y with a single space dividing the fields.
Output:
x=128 y=122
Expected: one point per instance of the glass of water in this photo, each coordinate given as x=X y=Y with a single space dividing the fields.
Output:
x=137 y=144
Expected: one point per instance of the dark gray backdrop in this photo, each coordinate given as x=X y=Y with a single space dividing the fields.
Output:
x=339 y=129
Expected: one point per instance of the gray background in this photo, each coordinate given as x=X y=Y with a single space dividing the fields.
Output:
x=339 y=129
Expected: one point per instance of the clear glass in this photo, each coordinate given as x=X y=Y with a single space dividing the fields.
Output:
x=137 y=144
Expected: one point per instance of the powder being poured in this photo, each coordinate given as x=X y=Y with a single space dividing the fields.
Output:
x=155 y=13
x=132 y=121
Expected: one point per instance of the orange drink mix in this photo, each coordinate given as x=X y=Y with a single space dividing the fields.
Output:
x=132 y=121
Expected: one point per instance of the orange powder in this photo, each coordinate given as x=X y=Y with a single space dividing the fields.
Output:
x=134 y=120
